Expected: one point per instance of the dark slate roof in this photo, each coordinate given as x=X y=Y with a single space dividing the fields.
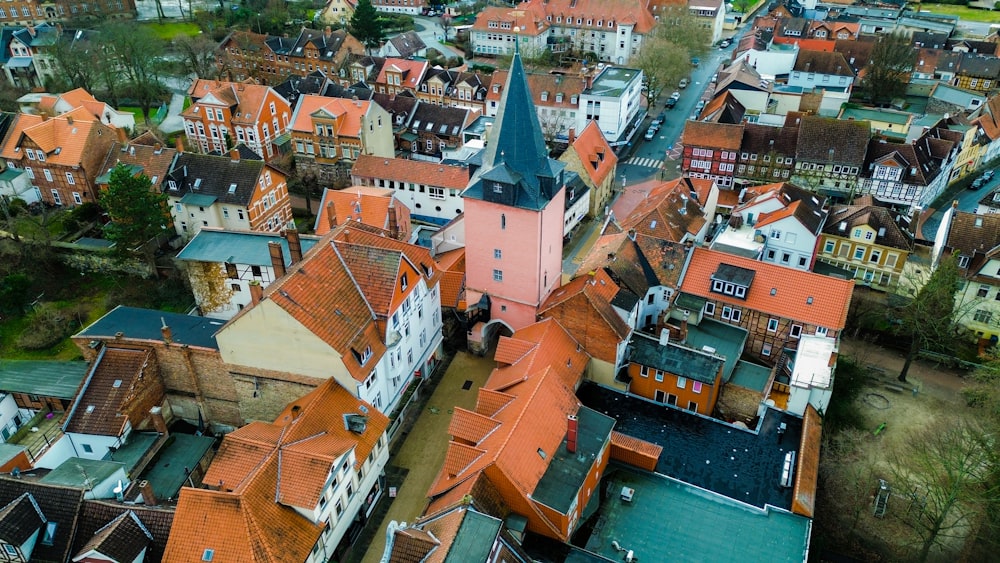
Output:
x=929 y=39
x=122 y=539
x=822 y=62
x=407 y=44
x=59 y=505
x=245 y=152
x=875 y=216
x=856 y=53
x=743 y=465
x=400 y=107
x=764 y=139
x=566 y=473
x=327 y=45
x=295 y=86
x=443 y=121
x=359 y=91
x=20 y=519
x=919 y=167
x=372 y=65
x=734 y=274
x=237 y=247
x=823 y=139
x=47 y=378
x=217 y=174
x=980 y=66
x=673 y=358
x=144 y=324
x=96 y=515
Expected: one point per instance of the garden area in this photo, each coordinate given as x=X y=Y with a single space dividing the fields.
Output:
x=963 y=11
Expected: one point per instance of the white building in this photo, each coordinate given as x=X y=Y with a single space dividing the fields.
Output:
x=613 y=99
x=432 y=191
x=812 y=377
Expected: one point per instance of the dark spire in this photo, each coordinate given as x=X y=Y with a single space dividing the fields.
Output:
x=516 y=137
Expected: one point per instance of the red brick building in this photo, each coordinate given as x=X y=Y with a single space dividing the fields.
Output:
x=710 y=150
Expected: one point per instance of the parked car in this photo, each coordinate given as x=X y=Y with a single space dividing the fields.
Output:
x=683 y=83
x=700 y=106
x=659 y=119
x=978 y=183
x=695 y=61
x=650 y=133
x=670 y=103
x=725 y=43
x=988 y=175
x=675 y=96
x=715 y=77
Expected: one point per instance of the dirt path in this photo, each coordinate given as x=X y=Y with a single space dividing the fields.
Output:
x=940 y=381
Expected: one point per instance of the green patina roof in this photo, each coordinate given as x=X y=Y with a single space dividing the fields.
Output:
x=238 y=247
x=750 y=376
x=82 y=472
x=39 y=377
x=690 y=302
x=167 y=475
x=10 y=174
x=201 y=200
x=474 y=539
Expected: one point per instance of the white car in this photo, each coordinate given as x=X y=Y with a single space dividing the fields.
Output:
x=683 y=83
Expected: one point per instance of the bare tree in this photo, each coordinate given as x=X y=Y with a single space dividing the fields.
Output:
x=940 y=483
x=665 y=55
x=199 y=55
x=929 y=318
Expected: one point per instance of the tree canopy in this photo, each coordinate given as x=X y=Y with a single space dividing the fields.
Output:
x=136 y=209
x=366 y=25
x=929 y=318
x=665 y=55
x=888 y=71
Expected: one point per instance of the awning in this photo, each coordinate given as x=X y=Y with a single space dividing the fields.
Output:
x=19 y=62
x=200 y=200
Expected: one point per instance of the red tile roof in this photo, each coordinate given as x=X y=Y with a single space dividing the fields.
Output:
x=595 y=153
x=452 y=263
x=721 y=136
x=668 y=212
x=366 y=204
x=368 y=167
x=798 y=295
x=114 y=382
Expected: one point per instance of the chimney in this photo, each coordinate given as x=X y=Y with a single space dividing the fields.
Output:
x=393 y=226
x=168 y=335
x=256 y=292
x=234 y=155
x=277 y=259
x=146 y=490
x=664 y=336
x=179 y=143
x=327 y=32
x=331 y=215
x=69 y=120
x=157 y=148
x=915 y=219
x=684 y=327
x=572 y=135
x=156 y=415
x=571 y=427
x=122 y=135
x=294 y=244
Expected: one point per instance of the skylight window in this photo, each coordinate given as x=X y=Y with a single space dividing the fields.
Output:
x=232 y=188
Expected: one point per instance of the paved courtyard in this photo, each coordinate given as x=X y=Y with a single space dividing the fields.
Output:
x=423 y=450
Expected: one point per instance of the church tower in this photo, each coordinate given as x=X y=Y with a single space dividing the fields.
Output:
x=514 y=209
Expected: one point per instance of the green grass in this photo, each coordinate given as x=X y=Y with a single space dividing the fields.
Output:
x=137 y=112
x=11 y=329
x=169 y=30
x=963 y=12
x=187 y=103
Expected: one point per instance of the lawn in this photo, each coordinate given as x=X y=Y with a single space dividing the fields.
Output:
x=169 y=30
x=137 y=112
x=963 y=12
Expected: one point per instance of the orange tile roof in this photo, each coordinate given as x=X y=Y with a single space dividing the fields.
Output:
x=413 y=72
x=12 y=142
x=347 y=112
x=368 y=167
x=521 y=400
x=453 y=280
x=64 y=138
x=721 y=136
x=595 y=153
x=510 y=350
x=529 y=20
x=800 y=296
x=366 y=204
x=471 y=426
x=778 y=214
x=668 y=212
x=155 y=162
x=619 y=11
x=273 y=468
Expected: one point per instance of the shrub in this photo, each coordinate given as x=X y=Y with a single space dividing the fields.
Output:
x=14 y=292
x=47 y=326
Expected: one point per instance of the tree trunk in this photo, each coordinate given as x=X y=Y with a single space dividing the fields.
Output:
x=910 y=356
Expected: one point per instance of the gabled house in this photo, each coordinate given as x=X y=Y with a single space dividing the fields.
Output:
x=583 y=307
x=224 y=114
x=830 y=154
x=403 y=46
x=544 y=470
x=776 y=223
x=246 y=55
x=38 y=521
x=672 y=374
x=974 y=240
x=905 y=173
x=360 y=307
x=296 y=489
x=58 y=104
x=431 y=191
x=590 y=156
x=123 y=540
x=25 y=52
x=767 y=154
x=454 y=88
x=103 y=525
x=461 y=530
x=868 y=239
x=62 y=155
x=710 y=151
x=978 y=72
x=152 y=160
x=989 y=203
x=668 y=212
x=226 y=268
x=226 y=192
x=433 y=129
x=775 y=304
x=330 y=133
x=116 y=398
x=822 y=70
x=376 y=207
x=400 y=75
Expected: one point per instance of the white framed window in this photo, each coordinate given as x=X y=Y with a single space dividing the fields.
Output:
x=644 y=371
x=48 y=174
x=796 y=331
x=659 y=375
x=498 y=275
x=77 y=199
x=737 y=315
x=821 y=331
x=710 y=309
x=696 y=387
x=70 y=179
x=772 y=325
x=766 y=349
x=682 y=382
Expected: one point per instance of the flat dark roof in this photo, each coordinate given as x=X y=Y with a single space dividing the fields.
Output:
x=674 y=358
x=561 y=482
x=740 y=464
x=145 y=324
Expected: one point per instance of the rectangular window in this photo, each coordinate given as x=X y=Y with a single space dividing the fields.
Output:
x=86 y=448
x=821 y=331
x=56 y=198
x=659 y=375
x=497 y=253
x=727 y=313
x=982 y=316
x=48 y=174
x=984 y=290
x=644 y=371
x=692 y=406
x=70 y=178
x=829 y=246
x=77 y=199
x=772 y=325
x=696 y=386
x=737 y=315
x=796 y=331
x=765 y=350
x=859 y=253
x=710 y=309
x=498 y=275
x=681 y=382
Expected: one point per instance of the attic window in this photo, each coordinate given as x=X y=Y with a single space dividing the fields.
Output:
x=403 y=282
x=541 y=453
x=208 y=555
x=90 y=409
x=809 y=300
x=50 y=533
x=117 y=383
x=363 y=357
x=197 y=183
x=232 y=188
x=172 y=184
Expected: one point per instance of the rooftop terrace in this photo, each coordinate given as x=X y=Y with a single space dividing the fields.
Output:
x=740 y=464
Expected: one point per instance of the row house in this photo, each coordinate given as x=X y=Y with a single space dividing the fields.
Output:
x=61 y=155
x=908 y=173
x=223 y=266
x=593 y=159
x=710 y=151
x=978 y=72
x=226 y=192
x=974 y=242
x=400 y=75
x=987 y=133
x=830 y=154
x=821 y=70
x=435 y=129
x=767 y=154
x=842 y=31
x=447 y=87
x=270 y=60
x=613 y=30
x=412 y=7
x=777 y=223
x=936 y=64
x=361 y=308
x=432 y=191
x=225 y=114
x=774 y=304
x=868 y=239
x=672 y=374
x=528 y=437
x=328 y=134
x=302 y=486
x=144 y=155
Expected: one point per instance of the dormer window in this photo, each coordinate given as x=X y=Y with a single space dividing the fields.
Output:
x=404 y=282
x=732 y=280
x=364 y=356
x=545 y=96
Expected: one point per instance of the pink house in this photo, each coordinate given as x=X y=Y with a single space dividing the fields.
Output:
x=513 y=219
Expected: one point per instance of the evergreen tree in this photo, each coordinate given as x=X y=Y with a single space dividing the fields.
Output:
x=137 y=210
x=366 y=25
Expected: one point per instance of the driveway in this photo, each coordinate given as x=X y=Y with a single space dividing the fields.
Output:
x=423 y=449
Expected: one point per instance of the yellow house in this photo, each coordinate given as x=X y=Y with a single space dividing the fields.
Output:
x=974 y=240
x=970 y=155
x=868 y=240
x=337 y=12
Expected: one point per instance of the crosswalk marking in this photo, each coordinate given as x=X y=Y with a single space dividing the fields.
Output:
x=647 y=162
